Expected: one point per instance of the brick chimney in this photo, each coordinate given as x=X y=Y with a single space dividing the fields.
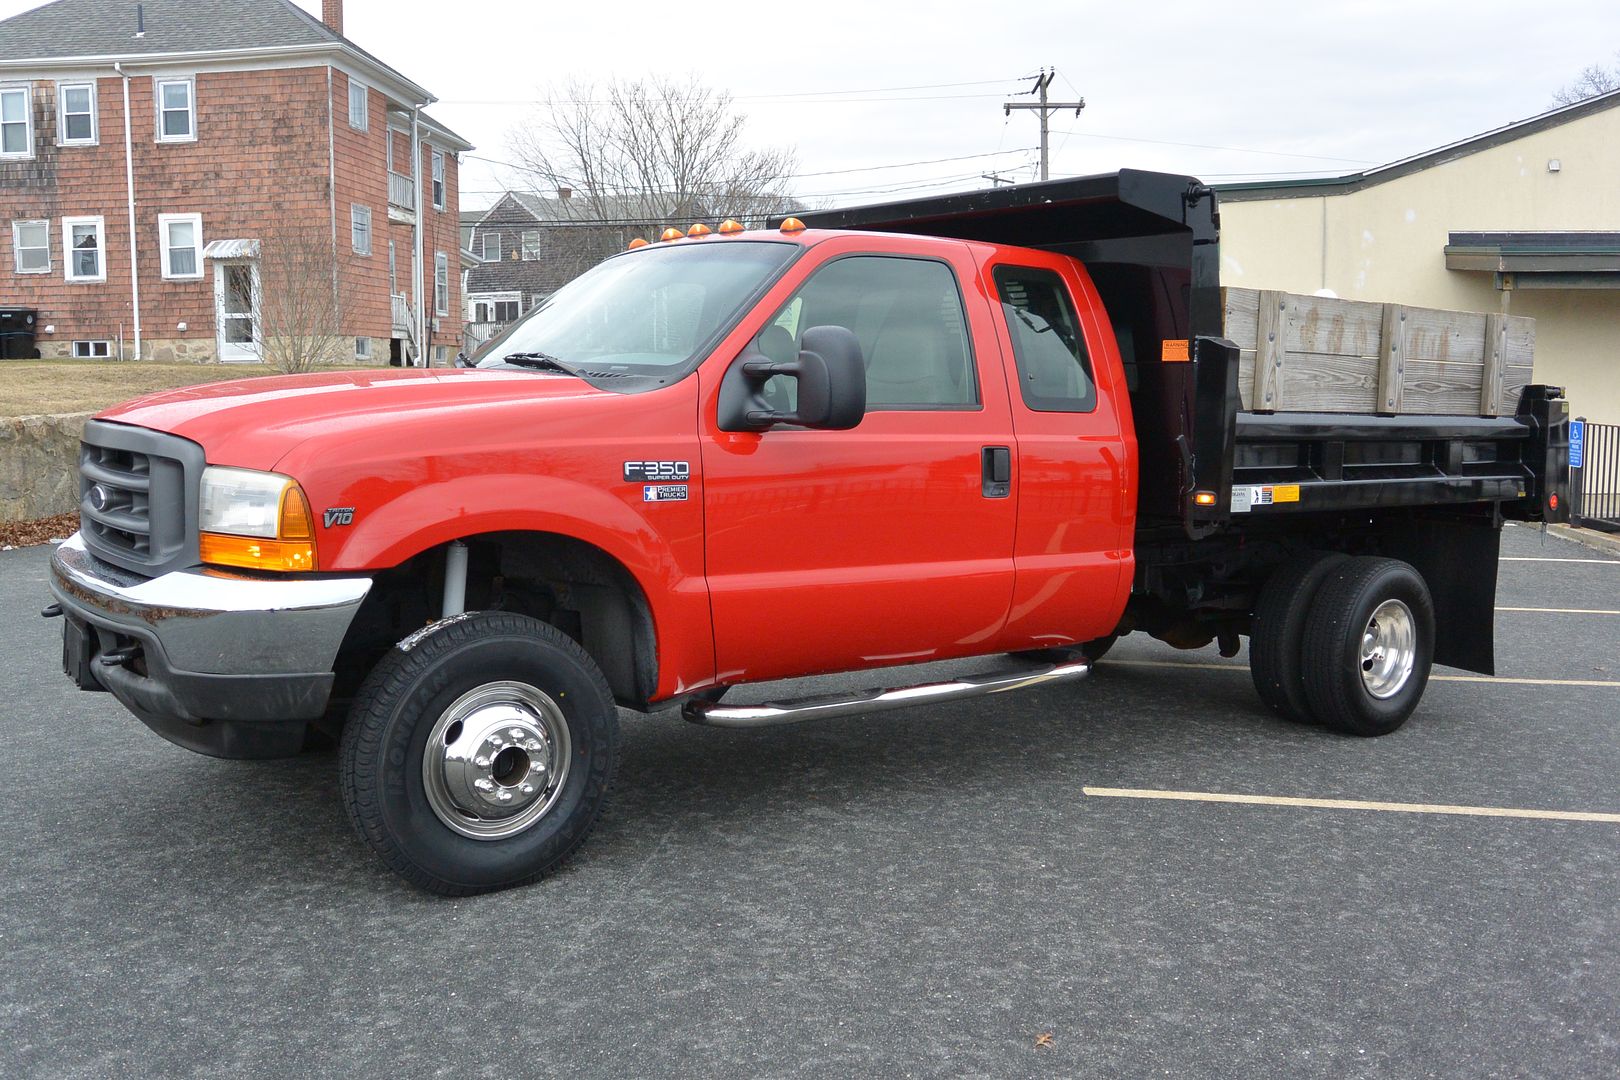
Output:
x=332 y=14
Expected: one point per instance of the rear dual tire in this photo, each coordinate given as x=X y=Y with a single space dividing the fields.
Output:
x=1346 y=643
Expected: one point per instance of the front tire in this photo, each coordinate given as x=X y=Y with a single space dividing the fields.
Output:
x=477 y=755
x=1369 y=644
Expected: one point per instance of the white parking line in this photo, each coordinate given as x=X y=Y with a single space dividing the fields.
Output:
x=1563 y=610
x=1432 y=678
x=1350 y=804
x=1539 y=558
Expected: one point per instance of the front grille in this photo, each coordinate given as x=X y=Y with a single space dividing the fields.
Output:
x=138 y=496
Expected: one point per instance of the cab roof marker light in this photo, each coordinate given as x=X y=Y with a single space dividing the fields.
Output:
x=699 y=229
x=671 y=233
x=730 y=226
x=792 y=225
x=638 y=242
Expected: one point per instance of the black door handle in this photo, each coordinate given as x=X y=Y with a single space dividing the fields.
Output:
x=997 y=469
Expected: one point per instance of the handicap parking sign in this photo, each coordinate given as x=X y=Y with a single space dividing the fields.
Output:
x=1577 y=443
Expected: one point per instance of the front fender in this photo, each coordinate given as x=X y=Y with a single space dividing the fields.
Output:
x=659 y=544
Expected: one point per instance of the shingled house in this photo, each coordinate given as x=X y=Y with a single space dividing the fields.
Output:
x=153 y=155
x=528 y=246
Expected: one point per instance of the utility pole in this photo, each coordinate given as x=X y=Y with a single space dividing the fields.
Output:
x=996 y=179
x=1045 y=108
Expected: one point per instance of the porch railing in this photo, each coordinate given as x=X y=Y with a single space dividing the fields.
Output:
x=1595 y=481
x=401 y=191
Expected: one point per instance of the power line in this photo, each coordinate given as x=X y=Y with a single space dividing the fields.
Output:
x=507 y=102
x=825 y=172
x=1208 y=146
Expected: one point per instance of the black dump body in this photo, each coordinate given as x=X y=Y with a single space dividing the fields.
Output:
x=1151 y=242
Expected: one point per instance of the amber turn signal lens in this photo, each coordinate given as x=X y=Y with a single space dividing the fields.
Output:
x=793 y=224
x=256 y=554
x=637 y=242
x=729 y=226
x=295 y=517
x=1204 y=498
x=671 y=233
x=699 y=229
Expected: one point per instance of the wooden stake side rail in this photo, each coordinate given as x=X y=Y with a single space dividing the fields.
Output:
x=1323 y=354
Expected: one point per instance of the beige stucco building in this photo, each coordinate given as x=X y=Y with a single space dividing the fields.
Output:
x=1524 y=220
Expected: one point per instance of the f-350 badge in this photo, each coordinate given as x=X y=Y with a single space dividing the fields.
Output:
x=658 y=472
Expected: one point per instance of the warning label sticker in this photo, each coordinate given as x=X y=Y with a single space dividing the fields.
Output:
x=1245 y=497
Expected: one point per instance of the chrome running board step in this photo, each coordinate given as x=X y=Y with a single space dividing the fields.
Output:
x=826 y=706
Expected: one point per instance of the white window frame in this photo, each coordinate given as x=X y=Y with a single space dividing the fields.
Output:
x=27 y=92
x=90 y=351
x=362 y=348
x=492 y=299
x=17 y=248
x=393 y=271
x=438 y=180
x=356 y=213
x=164 y=221
x=62 y=115
x=441 y=283
x=362 y=120
x=483 y=251
x=529 y=234
x=101 y=248
x=158 y=110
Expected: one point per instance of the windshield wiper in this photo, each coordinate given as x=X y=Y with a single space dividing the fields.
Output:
x=544 y=361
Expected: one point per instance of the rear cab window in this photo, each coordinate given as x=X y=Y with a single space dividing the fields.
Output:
x=1049 y=347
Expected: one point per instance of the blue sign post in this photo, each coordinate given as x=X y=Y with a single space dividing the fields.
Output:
x=1577 y=443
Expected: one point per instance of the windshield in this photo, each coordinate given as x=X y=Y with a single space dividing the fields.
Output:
x=647 y=312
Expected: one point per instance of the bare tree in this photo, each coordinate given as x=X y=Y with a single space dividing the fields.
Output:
x=633 y=153
x=1594 y=80
x=301 y=301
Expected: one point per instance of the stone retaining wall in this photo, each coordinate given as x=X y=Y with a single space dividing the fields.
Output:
x=39 y=458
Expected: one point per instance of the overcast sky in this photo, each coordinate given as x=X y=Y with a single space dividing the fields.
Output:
x=1263 y=88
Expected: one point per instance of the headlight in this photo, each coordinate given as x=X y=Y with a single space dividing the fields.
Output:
x=255 y=519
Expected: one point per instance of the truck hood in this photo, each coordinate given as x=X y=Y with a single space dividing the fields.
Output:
x=253 y=423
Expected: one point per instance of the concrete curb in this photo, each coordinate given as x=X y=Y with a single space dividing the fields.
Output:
x=1590 y=537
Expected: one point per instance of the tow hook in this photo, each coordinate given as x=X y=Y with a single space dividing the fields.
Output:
x=119 y=657
x=51 y=612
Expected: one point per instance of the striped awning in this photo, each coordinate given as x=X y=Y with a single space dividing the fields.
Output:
x=231 y=249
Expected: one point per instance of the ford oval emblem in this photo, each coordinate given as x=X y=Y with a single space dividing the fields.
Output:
x=100 y=498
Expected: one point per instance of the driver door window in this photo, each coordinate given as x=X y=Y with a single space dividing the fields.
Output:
x=907 y=315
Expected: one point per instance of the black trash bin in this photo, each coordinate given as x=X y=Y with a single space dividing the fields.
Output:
x=17 y=328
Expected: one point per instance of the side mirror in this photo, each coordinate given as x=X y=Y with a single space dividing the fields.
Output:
x=830 y=372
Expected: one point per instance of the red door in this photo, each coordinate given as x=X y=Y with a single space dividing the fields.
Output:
x=1076 y=456
x=836 y=550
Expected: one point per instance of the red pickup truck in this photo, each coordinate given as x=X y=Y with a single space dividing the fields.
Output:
x=998 y=423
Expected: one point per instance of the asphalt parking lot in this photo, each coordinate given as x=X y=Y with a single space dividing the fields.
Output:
x=923 y=893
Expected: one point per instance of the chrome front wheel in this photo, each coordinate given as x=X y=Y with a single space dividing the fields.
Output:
x=496 y=760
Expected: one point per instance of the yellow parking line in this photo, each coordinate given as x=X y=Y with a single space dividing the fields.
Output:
x=1563 y=610
x=1350 y=804
x=1432 y=678
x=1543 y=558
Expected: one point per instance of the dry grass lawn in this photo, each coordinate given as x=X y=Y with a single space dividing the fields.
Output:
x=30 y=387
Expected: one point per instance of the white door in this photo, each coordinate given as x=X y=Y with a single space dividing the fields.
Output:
x=236 y=310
